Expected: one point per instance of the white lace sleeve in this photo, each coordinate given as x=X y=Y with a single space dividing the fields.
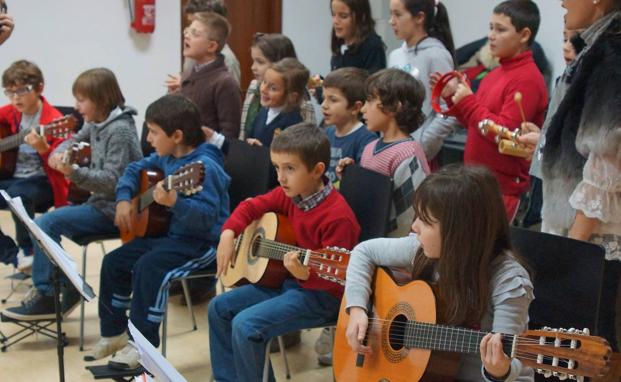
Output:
x=599 y=194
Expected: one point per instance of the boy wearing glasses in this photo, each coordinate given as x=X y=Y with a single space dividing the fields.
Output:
x=39 y=186
x=209 y=84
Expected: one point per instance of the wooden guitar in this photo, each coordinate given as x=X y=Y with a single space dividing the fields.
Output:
x=150 y=219
x=260 y=249
x=58 y=128
x=408 y=345
x=79 y=153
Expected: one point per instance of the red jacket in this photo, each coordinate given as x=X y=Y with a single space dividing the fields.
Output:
x=495 y=100
x=331 y=223
x=60 y=185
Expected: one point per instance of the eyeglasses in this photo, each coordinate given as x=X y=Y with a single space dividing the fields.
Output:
x=193 y=32
x=18 y=92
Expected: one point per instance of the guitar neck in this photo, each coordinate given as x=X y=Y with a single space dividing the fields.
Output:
x=146 y=198
x=13 y=141
x=275 y=250
x=421 y=335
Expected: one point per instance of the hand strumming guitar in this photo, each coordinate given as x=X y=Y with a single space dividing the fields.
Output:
x=225 y=251
x=37 y=142
x=163 y=197
x=292 y=262
x=56 y=162
x=123 y=216
x=357 y=330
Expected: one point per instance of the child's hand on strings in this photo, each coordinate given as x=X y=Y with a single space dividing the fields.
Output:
x=357 y=330
x=344 y=162
x=163 y=197
x=225 y=251
x=295 y=267
x=173 y=83
x=56 y=162
x=122 y=217
x=36 y=141
x=495 y=361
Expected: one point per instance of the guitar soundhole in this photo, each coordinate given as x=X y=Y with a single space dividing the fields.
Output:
x=255 y=246
x=396 y=333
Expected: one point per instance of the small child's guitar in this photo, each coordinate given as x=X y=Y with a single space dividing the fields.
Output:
x=150 y=219
x=79 y=153
x=260 y=249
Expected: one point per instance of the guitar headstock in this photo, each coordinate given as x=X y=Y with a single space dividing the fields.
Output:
x=60 y=127
x=188 y=179
x=330 y=263
x=78 y=153
x=566 y=354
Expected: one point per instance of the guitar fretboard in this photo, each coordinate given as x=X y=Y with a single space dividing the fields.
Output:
x=273 y=249
x=421 y=335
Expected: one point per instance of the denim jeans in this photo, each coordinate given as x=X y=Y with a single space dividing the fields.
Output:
x=36 y=194
x=243 y=320
x=70 y=221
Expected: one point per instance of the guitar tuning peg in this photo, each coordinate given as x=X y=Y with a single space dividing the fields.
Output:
x=562 y=376
x=586 y=331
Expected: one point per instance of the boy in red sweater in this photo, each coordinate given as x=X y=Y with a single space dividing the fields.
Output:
x=244 y=319
x=39 y=186
x=513 y=27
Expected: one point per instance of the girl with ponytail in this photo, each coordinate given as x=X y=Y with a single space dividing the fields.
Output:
x=424 y=27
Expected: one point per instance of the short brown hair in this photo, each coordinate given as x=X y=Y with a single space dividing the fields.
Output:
x=305 y=140
x=218 y=28
x=22 y=72
x=399 y=93
x=295 y=76
x=101 y=87
x=274 y=46
x=350 y=81
x=196 y=6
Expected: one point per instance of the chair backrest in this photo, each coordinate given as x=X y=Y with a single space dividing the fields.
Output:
x=250 y=170
x=368 y=193
x=567 y=279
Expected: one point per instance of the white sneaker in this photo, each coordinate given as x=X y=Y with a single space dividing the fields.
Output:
x=106 y=346
x=24 y=263
x=126 y=359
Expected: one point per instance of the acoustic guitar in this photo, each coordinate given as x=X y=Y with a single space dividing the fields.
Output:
x=150 y=219
x=408 y=345
x=58 y=128
x=260 y=249
x=79 y=153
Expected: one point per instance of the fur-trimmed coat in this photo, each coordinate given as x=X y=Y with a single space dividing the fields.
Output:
x=582 y=151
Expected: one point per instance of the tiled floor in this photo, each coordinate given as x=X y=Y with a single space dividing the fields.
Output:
x=34 y=359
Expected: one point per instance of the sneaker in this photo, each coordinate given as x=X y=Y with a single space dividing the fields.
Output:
x=289 y=339
x=24 y=261
x=35 y=307
x=325 y=342
x=126 y=359
x=70 y=299
x=107 y=346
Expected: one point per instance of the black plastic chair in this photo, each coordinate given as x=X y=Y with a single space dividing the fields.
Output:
x=567 y=276
x=368 y=193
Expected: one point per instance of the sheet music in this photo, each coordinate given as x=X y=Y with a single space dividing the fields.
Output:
x=58 y=254
x=152 y=360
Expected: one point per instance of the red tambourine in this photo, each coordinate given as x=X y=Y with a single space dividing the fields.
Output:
x=436 y=94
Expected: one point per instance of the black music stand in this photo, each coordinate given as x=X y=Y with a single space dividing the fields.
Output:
x=62 y=263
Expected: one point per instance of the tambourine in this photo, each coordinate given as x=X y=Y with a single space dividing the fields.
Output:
x=436 y=94
x=508 y=143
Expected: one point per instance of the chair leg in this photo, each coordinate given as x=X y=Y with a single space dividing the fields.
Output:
x=103 y=247
x=188 y=301
x=266 y=364
x=84 y=249
x=164 y=329
x=283 y=352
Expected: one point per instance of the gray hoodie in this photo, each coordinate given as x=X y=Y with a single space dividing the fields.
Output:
x=114 y=144
x=421 y=60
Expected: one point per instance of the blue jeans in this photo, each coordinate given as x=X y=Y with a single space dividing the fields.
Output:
x=243 y=320
x=36 y=193
x=70 y=221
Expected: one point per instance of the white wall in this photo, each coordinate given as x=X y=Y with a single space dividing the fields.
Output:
x=66 y=37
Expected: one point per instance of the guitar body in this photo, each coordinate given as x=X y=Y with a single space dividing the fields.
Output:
x=390 y=361
x=8 y=159
x=151 y=221
x=82 y=157
x=246 y=267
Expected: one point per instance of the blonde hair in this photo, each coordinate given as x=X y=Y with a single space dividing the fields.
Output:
x=218 y=28
x=295 y=76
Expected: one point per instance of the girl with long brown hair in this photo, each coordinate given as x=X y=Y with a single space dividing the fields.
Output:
x=461 y=243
